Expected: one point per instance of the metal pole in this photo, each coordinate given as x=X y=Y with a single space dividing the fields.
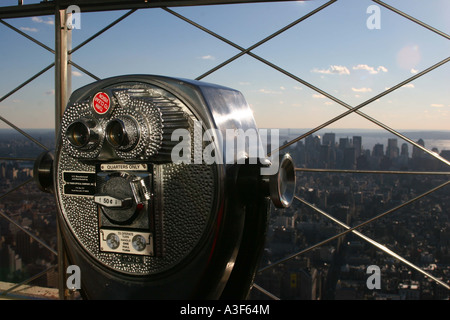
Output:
x=63 y=41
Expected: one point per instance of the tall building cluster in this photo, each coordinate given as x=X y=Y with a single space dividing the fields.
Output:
x=328 y=152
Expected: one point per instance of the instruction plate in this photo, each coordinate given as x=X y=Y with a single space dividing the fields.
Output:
x=79 y=183
x=124 y=241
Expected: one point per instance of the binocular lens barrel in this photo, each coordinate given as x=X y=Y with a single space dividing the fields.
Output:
x=115 y=132
x=78 y=134
x=122 y=134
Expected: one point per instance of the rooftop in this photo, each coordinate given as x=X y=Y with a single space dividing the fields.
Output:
x=27 y=292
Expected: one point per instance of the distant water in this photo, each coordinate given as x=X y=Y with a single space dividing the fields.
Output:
x=6 y=133
x=432 y=139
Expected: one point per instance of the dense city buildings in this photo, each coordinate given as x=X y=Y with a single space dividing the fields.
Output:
x=338 y=269
x=21 y=256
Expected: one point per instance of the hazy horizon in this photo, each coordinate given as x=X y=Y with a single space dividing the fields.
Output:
x=433 y=138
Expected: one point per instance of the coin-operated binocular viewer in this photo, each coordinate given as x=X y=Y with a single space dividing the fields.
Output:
x=158 y=196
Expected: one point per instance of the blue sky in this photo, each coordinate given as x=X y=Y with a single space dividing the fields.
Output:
x=333 y=50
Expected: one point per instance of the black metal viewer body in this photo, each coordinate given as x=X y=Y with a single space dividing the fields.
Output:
x=155 y=200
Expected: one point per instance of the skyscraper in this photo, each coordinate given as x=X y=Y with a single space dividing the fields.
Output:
x=404 y=151
x=357 y=144
x=392 y=150
x=378 y=150
x=418 y=153
x=344 y=143
x=349 y=158
x=329 y=139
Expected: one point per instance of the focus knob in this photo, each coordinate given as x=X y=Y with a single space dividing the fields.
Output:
x=122 y=197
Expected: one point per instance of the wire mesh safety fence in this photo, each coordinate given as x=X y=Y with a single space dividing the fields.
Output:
x=249 y=51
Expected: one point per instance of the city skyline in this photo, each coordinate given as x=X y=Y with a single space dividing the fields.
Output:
x=336 y=270
x=334 y=50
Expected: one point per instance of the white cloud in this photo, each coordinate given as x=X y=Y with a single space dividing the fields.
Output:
x=49 y=21
x=408 y=85
x=414 y=71
x=318 y=96
x=362 y=89
x=28 y=29
x=370 y=69
x=332 y=70
x=207 y=57
x=298 y=88
x=282 y=88
x=437 y=105
x=266 y=91
x=77 y=74
x=364 y=67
